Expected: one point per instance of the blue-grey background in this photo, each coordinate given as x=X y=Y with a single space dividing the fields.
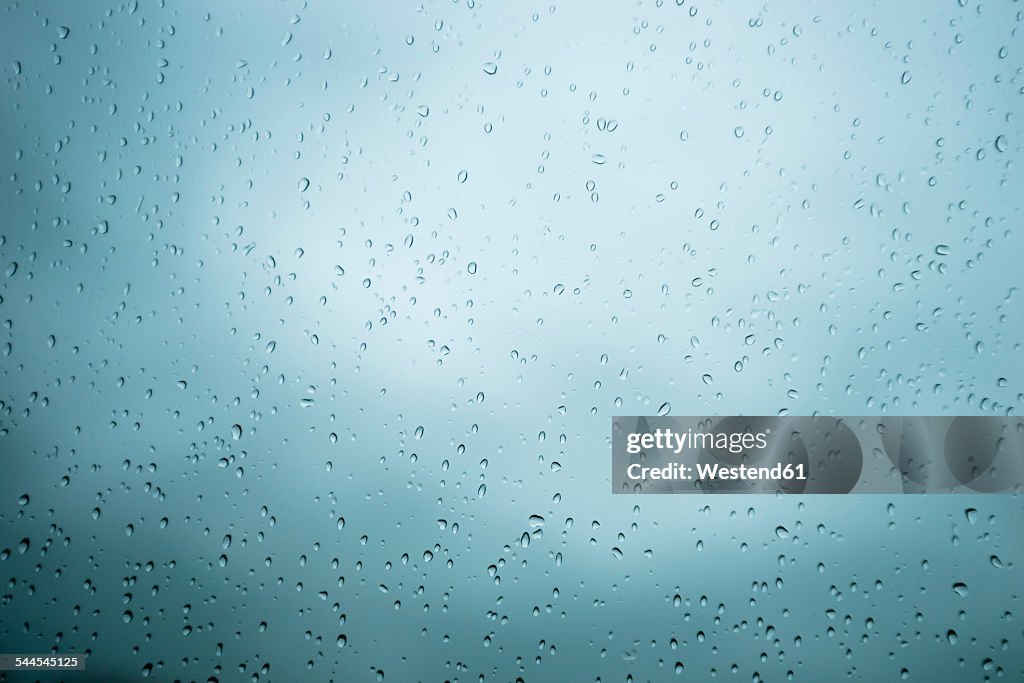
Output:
x=314 y=315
